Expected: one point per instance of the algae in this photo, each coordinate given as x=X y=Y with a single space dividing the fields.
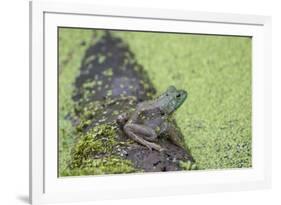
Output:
x=98 y=152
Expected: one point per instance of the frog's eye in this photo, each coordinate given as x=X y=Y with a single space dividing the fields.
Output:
x=167 y=94
x=178 y=95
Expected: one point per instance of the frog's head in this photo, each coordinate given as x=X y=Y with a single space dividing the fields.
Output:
x=172 y=99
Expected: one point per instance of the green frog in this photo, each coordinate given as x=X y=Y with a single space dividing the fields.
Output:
x=152 y=119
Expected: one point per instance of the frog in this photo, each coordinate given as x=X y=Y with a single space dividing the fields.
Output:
x=153 y=119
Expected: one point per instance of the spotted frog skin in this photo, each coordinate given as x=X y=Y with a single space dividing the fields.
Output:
x=152 y=119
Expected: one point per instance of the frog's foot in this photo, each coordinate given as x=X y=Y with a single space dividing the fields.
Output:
x=151 y=145
x=138 y=135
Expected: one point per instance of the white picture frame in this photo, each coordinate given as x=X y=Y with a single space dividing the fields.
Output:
x=46 y=187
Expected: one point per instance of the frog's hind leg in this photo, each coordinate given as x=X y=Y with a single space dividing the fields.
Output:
x=145 y=132
x=140 y=133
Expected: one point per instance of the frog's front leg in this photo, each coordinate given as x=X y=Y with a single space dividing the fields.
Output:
x=142 y=133
x=174 y=134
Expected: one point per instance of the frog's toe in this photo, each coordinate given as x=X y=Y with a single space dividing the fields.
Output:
x=149 y=147
x=162 y=150
x=158 y=148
